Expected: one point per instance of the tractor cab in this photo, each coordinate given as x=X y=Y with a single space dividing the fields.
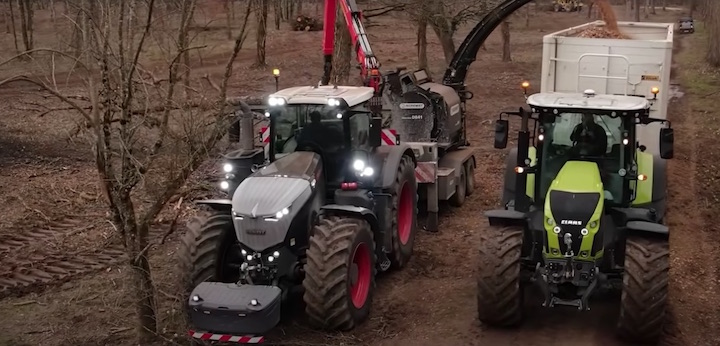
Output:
x=334 y=122
x=586 y=136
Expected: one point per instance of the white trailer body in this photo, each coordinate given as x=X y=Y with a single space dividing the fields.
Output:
x=613 y=66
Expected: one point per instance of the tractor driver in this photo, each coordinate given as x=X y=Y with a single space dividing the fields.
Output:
x=589 y=138
x=317 y=134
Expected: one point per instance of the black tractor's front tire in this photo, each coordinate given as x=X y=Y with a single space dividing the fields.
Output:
x=404 y=213
x=643 y=304
x=207 y=250
x=499 y=294
x=340 y=273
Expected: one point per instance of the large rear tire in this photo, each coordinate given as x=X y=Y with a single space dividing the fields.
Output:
x=645 y=287
x=499 y=295
x=340 y=273
x=404 y=213
x=207 y=250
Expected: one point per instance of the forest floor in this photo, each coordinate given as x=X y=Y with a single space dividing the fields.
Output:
x=62 y=283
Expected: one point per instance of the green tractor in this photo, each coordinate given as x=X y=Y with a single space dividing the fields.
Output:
x=584 y=205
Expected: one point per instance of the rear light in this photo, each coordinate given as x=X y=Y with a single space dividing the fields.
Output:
x=349 y=186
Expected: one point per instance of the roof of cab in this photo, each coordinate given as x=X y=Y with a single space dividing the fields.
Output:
x=353 y=95
x=585 y=101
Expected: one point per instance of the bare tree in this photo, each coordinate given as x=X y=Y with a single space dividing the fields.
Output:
x=505 y=29
x=342 y=55
x=145 y=137
x=261 y=15
x=26 y=22
x=712 y=22
x=12 y=22
x=636 y=9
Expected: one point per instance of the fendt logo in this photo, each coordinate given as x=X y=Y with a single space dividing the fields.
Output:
x=571 y=222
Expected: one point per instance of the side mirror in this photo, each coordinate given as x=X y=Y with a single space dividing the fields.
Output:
x=501 y=134
x=667 y=141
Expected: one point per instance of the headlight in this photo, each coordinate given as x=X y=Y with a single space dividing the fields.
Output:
x=368 y=171
x=359 y=165
x=224 y=185
x=227 y=168
x=333 y=102
x=279 y=215
x=276 y=101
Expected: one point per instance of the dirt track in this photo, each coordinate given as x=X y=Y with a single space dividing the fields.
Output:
x=73 y=265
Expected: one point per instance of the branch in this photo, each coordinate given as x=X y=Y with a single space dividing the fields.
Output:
x=383 y=10
x=55 y=93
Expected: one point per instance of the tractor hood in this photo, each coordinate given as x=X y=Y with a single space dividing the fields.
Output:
x=266 y=203
x=574 y=202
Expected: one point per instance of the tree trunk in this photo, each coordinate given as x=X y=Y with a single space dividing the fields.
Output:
x=664 y=5
x=713 y=28
x=261 y=14
x=445 y=35
x=26 y=24
x=12 y=22
x=636 y=3
x=228 y=19
x=342 y=55
x=277 y=8
x=299 y=7
x=422 y=43
x=652 y=7
x=590 y=9
x=527 y=16
x=505 y=29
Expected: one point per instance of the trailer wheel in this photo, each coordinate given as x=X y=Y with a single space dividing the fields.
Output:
x=499 y=293
x=470 y=174
x=404 y=213
x=339 y=273
x=208 y=251
x=645 y=287
x=458 y=198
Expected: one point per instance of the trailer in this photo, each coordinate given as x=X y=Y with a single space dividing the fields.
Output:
x=634 y=66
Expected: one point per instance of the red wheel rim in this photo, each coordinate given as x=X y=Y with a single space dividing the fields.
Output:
x=405 y=214
x=361 y=272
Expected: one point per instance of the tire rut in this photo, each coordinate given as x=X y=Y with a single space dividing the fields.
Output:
x=46 y=269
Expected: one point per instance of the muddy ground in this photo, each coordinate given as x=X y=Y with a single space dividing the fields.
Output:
x=62 y=283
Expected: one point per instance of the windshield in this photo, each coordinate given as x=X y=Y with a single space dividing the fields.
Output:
x=318 y=127
x=584 y=136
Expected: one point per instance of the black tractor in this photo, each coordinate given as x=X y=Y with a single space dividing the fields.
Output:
x=327 y=210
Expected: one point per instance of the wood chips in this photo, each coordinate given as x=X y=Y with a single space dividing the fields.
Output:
x=599 y=32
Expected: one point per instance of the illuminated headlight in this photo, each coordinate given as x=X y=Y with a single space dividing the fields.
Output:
x=271 y=258
x=196 y=298
x=280 y=214
x=276 y=101
x=227 y=168
x=267 y=114
x=541 y=137
x=249 y=257
x=243 y=252
x=276 y=254
x=368 y=171
x=359 y=165
x=224 y=185
x=625 y=141
x=333 y=102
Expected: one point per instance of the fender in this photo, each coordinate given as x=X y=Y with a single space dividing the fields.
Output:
x=364 y=213
x=217 y=204
x=391 y=155
x=508 y=217
x=648 y=229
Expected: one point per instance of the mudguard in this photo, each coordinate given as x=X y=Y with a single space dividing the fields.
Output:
x=391 y=156
x=648 y=228
x=365 y=213
x=217 y=204
x=506 y=217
